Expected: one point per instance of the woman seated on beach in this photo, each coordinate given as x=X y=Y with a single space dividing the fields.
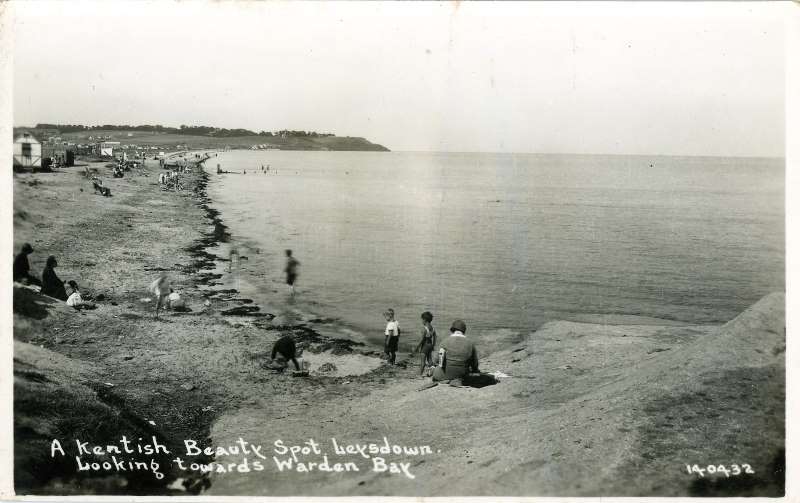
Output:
x=457 y=355
x=75 y=300
x=52 y=285
x=22 y=268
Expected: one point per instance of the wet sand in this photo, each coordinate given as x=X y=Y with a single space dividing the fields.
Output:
x=611 y=408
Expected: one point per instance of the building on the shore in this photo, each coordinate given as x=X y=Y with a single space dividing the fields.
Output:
x=84 y=149
x=106 y=148
x=27 y=152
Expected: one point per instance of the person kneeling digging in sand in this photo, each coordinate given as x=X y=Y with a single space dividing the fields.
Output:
x=286 y=349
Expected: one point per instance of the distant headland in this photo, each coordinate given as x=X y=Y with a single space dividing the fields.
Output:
x=196 y=137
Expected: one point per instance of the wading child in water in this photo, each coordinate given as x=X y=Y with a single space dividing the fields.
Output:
x=392 y=334
x=427 y=343
x=291 y=270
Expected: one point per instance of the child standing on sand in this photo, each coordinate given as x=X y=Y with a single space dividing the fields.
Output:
x=427 y=343
x=392 y=334
x=160 y=288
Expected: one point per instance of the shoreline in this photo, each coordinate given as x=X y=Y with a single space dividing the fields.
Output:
x=192 y=275
x=570 y=388
x=309 y=336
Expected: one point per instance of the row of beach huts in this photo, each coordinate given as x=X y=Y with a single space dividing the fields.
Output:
x=28 y=153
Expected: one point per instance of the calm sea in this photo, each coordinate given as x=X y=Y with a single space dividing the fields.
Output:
x=504 y=241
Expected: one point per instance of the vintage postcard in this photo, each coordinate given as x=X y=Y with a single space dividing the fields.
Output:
x=344 y=249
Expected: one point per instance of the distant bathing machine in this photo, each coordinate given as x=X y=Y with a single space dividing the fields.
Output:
x=27 y=152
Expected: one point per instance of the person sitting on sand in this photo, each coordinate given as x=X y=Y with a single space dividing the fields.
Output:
x=291 y=270
x=22 y=268
x=160 y=287
x=427 y=343
x=457 y=355
x=75 y=300
x=285 y=347
x=392 y=334
x=52 y=285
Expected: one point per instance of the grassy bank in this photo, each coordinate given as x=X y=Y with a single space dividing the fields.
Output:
x=196 y=142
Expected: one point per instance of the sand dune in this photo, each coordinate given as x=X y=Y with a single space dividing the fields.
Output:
x=589 y=410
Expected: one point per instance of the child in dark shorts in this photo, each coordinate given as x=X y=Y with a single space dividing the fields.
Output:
x=392 y=334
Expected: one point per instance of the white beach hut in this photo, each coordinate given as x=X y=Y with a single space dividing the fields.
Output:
x=106 y=148
x=27 y=152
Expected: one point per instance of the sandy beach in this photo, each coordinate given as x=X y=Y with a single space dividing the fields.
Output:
x=610 y=405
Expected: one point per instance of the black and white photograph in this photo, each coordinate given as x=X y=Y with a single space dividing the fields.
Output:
x=415 y=249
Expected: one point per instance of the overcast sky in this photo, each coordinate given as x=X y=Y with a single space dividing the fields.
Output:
x=676 y=78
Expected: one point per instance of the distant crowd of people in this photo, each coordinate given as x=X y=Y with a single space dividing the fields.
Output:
x=50 y=284
x=264 y=170
x=170 y=180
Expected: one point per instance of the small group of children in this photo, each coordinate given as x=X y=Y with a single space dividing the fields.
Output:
x=425 y=346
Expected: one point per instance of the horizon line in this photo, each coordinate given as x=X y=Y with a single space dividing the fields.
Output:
x=783 y=156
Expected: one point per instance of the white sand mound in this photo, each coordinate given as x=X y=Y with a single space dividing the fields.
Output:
x=755 y=337
x=588 y=410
